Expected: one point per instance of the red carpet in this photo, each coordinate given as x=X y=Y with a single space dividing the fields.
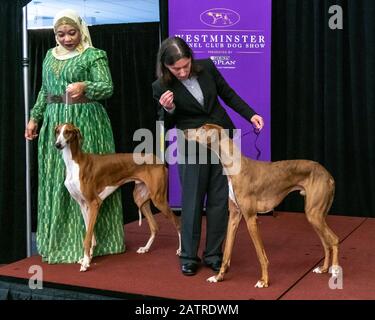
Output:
x=292 y=247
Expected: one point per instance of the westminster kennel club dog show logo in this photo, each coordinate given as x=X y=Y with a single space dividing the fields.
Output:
x=221 y=37
x=220 y=17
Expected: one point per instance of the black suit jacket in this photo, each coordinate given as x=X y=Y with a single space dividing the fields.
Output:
x=189 y=113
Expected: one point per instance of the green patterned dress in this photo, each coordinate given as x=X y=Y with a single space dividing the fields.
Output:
x=61 y=229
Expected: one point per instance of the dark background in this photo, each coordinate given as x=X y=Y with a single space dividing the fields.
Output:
x=322 y=101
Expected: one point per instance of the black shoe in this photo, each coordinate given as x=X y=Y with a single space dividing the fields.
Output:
x=189 y=269
x=215 y=266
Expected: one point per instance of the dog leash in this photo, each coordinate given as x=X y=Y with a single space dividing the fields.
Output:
x=257 y=133
x=66 y=106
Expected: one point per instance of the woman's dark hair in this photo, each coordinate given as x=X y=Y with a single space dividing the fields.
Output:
x=171 y=50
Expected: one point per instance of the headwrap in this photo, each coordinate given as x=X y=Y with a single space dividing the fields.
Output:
x=71 y=18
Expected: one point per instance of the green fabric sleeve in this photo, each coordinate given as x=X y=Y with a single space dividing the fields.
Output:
x=100 y=85
x=37 y=112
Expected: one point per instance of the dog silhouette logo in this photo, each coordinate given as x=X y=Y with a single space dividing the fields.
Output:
x=220 y=17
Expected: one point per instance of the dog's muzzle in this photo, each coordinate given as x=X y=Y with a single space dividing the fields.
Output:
x=58 y=145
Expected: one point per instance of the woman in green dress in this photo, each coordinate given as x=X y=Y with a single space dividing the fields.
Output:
x=75 y=77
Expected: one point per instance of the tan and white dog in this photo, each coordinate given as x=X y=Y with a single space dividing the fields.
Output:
x=91 y=178
x=258 y=186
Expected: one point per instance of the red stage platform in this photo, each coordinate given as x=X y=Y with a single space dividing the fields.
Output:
x=292 y=247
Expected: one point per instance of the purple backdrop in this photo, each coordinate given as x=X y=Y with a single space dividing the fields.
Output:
x=236 y=35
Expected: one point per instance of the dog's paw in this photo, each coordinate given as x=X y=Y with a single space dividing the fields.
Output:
x=84 y=268
x=85 y=263
x=320 y=270
x=317 y=270
x=212 y=279
x=261 y=284
x=142 y=250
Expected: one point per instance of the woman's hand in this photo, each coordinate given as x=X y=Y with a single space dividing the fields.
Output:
x=30 y=131
x=257 y=122
x=166 y=100
x=76 y=90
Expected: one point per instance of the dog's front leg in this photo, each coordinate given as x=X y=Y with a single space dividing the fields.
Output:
x=233 y=223
x=85 y=214
x=93 y=211
x=252 y=227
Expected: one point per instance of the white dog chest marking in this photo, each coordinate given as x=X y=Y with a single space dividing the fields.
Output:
x=232 y=196
x=72 y=182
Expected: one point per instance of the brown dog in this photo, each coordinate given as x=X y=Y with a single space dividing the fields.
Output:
x=257 y=186
x=90 y=178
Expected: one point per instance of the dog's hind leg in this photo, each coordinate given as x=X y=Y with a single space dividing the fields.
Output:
x=233 y=223
x=158 y=194
x=141 y=197
x=316 y=208
x=333 y=243
x=328 y=239
x=162 y=204
x=154 y=228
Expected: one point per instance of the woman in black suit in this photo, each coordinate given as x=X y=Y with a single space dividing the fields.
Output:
x=187 y=92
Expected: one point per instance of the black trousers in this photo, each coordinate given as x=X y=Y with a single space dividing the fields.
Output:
x=200 y=182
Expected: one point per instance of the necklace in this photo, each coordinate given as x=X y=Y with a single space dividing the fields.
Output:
x=57 y=66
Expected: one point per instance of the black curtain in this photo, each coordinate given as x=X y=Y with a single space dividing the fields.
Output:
x=164 y=25
x=39 y=41
x=323 y=96
x=12 y=142
x=131 y=51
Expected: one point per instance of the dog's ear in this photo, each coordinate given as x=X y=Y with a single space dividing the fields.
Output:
x=80 y=137
x=57 y=129
x=77 y=132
